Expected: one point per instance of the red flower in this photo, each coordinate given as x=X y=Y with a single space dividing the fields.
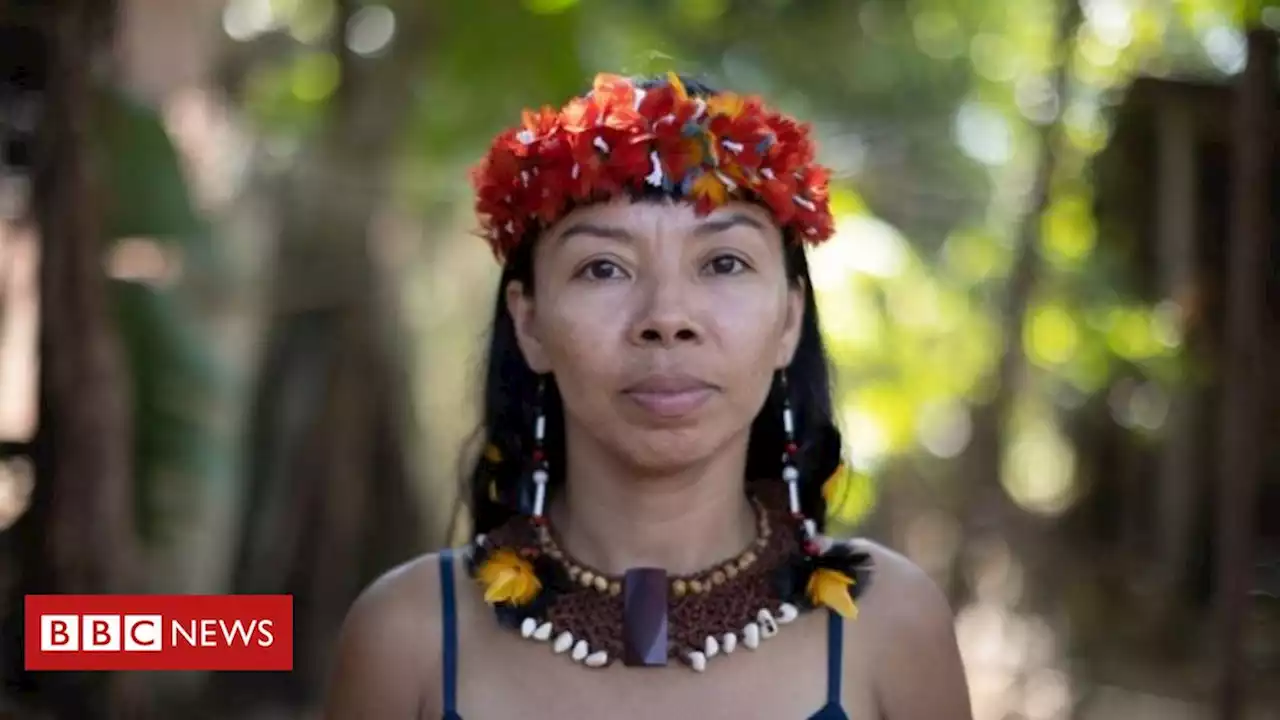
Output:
x=580 y=115
x=629 y=160
x=657 y=103
x=611 y=89
x=679 y=155
x=813 y=181
x=585 y=174
x=778 y=194
x=596 y=146
x=540 y=124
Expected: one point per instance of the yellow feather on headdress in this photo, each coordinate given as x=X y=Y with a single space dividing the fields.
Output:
x=674 y=81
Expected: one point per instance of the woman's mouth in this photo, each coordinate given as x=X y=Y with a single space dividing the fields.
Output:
x=670 y=396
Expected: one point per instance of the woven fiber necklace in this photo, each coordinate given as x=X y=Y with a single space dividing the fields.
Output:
x=647 y=617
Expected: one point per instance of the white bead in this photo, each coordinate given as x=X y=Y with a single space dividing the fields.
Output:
x=527 y=627
x=790 y=474
x=539 y=498
x=751 y=636
x=480 y=539
x=768 y=626
x=540 y=429
x=712 y=647
x=563 y=642
x=787 y=612
x=540 y=476
x=543 y=633
x=810 y=527
x=697 y=661
x=597 y=659
x=580 y=651
x=729 y=643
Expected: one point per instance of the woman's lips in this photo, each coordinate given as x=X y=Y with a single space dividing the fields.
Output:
x=670 y=396
x=671 y=403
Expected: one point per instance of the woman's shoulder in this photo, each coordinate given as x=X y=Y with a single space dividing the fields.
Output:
x=899 y=601
x=405 y=604
x=898 y=587
x=909 y=624
x=389 y=646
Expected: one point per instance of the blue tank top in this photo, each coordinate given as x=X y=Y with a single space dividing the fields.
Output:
x=833 y=710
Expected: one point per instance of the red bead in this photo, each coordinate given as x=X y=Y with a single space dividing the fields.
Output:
x=537 y=455
x=811 y=548
x=797 y=515
x=792 y=449
x=539 y=520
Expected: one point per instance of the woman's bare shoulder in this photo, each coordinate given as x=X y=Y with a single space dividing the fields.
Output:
x=910 y=625
x=405 y=596
x=899 y=590
x=389 y=648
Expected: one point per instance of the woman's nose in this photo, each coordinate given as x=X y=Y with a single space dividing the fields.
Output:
x=665 y=318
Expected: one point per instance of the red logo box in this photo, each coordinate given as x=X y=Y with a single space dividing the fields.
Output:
x=159 y=632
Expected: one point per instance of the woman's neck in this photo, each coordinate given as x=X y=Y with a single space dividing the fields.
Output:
x=612 y=518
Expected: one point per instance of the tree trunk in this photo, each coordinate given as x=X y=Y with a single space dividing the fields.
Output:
x=78 y=535
x=1242 y=420
x=330 y=502
x=985 y=507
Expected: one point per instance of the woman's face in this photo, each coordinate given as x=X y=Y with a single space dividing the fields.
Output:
x=663 y=329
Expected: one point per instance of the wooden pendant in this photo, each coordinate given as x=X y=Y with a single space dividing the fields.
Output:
x=644 y=617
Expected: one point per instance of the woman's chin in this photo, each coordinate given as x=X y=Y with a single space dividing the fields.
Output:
x=668 y=451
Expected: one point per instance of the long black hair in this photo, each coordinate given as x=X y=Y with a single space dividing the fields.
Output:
x=498 y=478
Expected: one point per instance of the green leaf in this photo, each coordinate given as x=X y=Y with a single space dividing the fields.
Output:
x=174 y=379
x=141 y=175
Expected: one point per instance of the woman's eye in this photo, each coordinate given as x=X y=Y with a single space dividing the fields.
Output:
x=726 y=265
x=602 y=270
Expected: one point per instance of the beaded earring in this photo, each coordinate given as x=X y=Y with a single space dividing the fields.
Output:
x=808 y=529
x=540 y=476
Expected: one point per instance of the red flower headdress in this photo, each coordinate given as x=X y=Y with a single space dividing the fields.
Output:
x=621 y=138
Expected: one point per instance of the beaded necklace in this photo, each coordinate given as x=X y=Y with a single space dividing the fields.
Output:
x=648 y=618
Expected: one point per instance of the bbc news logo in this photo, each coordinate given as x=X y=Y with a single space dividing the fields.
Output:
x=159 y=632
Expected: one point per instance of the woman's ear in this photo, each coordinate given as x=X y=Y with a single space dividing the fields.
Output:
x=520 y=305
x=792 y=323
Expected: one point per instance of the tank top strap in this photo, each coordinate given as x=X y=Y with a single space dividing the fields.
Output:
x=835 y=656
x=449 y=618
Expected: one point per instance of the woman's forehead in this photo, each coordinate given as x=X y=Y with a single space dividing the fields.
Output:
x=646 y=217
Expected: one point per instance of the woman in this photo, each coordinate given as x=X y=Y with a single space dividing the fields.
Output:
x=649 y=504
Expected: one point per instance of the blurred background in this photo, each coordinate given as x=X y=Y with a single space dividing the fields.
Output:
x=241 y=314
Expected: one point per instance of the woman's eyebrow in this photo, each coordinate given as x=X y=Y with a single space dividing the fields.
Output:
x=604 y=231
x=720 y=224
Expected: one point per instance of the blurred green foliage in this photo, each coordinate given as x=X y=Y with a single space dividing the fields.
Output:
x=173 y=367
x=928 y=110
